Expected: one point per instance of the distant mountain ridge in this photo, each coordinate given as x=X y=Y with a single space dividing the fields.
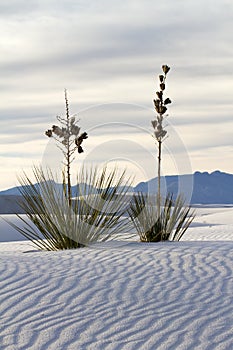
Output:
x=208 y=188
x=16 y=191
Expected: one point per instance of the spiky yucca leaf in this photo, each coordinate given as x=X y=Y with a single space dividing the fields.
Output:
x=102 y=203
x=94 y=216
x=174 y=219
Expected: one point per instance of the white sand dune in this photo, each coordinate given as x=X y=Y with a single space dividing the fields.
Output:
x=122 y=295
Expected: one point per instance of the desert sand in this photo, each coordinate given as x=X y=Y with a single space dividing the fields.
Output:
x=122 y=294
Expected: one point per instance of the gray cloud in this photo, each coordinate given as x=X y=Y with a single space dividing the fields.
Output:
x=112 y=51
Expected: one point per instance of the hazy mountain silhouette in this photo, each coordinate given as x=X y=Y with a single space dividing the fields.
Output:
x=16 y=191
x=208 y=188
x=10 y=199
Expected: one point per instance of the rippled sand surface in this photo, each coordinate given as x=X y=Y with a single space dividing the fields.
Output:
x=128 y=295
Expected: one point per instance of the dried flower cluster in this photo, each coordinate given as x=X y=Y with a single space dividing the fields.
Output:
x=64 y=134
x=160 y=106
x=69 y=139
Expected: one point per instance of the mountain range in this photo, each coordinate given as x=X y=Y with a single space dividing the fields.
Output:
x=201 y=187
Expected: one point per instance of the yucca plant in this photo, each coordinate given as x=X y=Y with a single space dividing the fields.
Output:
x=170 y=223
x=160 y=104
x=95 y=215
x=164 y=218
x=68 y=140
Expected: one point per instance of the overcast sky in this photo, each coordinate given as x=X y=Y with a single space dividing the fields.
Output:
x=108 y=55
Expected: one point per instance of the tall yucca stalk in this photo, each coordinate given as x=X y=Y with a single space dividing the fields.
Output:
x=160 y=104
x=96 y=215
x=161 y=218
x=69 y=141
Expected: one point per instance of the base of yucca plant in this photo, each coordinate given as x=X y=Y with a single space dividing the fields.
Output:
x=166 y=221
x=156 y=239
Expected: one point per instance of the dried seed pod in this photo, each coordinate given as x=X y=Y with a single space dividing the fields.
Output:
x=75 y=129
x=159 y=94
x=160 y=119
x=156 y=103
x=80 y=149
x=163 y=133
x=49 y=133
x=157 y=134
x=165 y=69
x=162 y=86
x=72 y=120
x=80 y=139
x=57 y=131
x=161 y=78
x=160 y=134
x=162 y=109
x=167 y=101
x=84 y=135
x=154 y=123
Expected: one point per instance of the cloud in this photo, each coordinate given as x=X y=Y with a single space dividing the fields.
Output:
x=105 y=52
